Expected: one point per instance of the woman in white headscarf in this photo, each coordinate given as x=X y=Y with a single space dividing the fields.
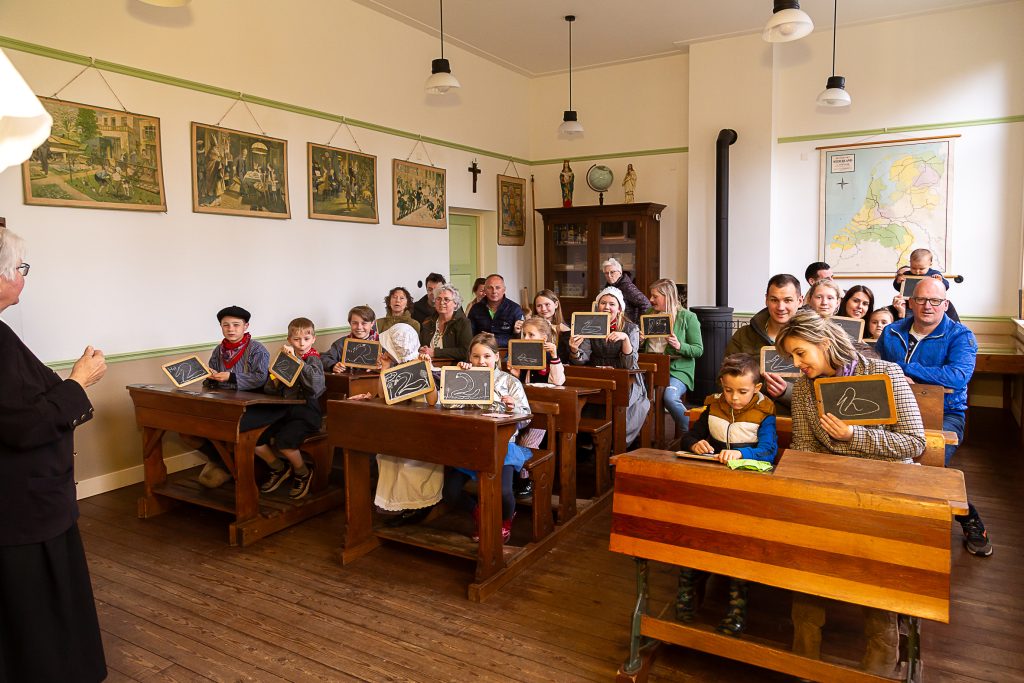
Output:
x=409 y=487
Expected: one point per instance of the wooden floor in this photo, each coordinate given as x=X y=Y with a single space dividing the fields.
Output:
x=176 y=603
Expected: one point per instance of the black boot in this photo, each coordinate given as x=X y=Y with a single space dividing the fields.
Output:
x=736 y=617
x=686 y=599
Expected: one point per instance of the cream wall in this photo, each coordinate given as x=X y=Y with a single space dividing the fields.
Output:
x=102 y=277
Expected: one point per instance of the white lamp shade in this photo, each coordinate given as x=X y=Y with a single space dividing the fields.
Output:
x=24 y=123
x=570 y=125
x=440 y=83
x=786 y=25
x=834 y=94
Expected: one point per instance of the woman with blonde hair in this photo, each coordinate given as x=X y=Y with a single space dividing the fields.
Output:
x=683 y=346
x=822 y=349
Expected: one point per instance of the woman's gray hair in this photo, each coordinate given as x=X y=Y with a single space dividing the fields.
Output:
x=451 y=290
x=807 y=325
x=612 y=262
x=12 y=251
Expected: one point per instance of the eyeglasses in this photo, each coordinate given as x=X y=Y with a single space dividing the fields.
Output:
x=920 y=301
x=445 y=301
x=23 y=268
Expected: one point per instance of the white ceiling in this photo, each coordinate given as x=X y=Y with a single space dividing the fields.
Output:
x=531 y=36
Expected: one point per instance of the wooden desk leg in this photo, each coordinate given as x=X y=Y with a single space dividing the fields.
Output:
x=247 y=494
x=913 y=649
x=490 y=555
x=619 y=430
x=359 y=536
x=566 y=477
x=155 y=473
x=659 y=418
x=641 y=654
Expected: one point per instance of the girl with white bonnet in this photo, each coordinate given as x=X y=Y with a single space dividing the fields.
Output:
x=409 y=488
x=619 y=349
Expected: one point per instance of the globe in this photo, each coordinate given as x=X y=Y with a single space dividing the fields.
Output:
x=600 y=178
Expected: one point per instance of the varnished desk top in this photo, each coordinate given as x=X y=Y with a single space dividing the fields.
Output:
x=204 y=394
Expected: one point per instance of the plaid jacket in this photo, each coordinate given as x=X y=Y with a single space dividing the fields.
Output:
x=900 y=442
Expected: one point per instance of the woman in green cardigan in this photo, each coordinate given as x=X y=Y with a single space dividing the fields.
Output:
x=683 y=347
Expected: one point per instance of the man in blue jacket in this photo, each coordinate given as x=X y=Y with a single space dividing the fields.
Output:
x=495 y=313
x=933 y=349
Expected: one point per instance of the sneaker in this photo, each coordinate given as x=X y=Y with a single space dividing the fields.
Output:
x=976 y=538
x=300 y=485
x=277 y=477
x=522 y=488
x=506 y=528
x=213 y=476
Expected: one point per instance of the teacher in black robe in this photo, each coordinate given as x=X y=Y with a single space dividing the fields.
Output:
x=48 y=625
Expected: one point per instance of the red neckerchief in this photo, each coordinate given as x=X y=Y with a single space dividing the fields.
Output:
x=232 y=352
x=614 y=326
x=312 y=352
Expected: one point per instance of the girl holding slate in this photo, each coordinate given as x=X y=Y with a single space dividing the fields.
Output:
x=538 y=329
x=683 y=347
x=821 y=349
x=510 y=398
x=548 y=306
x=620 y=349
x=360 y=322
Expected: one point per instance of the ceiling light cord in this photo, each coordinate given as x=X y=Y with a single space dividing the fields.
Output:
x=570 y=64
x=835 y=16
x=441 y=6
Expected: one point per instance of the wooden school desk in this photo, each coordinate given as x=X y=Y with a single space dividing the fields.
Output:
x=660 y=379
x=458 y=438
x=860 y=531
x=350 y=383
x=215 y=414
x=1010 y=366
x=620 y=400
x=570 y=401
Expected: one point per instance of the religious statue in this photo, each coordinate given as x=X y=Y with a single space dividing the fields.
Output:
x=565 y=178
x=629 y=184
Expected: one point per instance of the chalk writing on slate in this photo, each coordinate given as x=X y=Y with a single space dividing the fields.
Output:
x=360 y=353
x=591 y=325
x=853 y=327
x=406 y=381
x=527 y=354
x=656 y=325
x=777 y=363
x=858 y=400
x=186 y=371
x=286 y=368
x=907 y=288
x=471 y=387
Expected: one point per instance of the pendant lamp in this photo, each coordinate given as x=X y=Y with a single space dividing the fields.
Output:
x=834 y=94
x=24 y=123
x=441 y=79
x=788 y=23
x=570 y=125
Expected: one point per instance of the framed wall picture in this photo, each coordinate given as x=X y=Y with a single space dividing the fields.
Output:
x=96 y=158
x=418 y=195
x=511 y=211
x=342 y=184
x=239 y=174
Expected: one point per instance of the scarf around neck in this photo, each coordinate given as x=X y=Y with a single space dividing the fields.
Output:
x=232 y=352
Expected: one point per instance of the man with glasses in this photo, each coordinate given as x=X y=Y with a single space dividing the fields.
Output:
x=933 y=349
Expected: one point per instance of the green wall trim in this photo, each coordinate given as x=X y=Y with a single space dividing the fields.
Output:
x=165 y=79
x=183 y=350
x=903 y=129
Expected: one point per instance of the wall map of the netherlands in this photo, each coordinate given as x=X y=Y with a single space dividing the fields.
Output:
x=880 y=202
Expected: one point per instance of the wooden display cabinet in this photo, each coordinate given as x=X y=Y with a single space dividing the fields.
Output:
x=578 y=239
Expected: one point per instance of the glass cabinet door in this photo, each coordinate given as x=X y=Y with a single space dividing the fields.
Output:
x=570 y=260
x=618 y=241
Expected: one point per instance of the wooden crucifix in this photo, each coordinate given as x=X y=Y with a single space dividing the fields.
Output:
x=475 y=170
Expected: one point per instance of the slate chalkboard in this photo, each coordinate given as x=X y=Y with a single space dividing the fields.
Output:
x=470 y=387
x=656 y=325
x=859 y=400
x=527 y=354
x=360 y=353
x=590 y=325
x=286 y=368
x=186 y=371
x=907 y=288
x=854 y=327
x=406 y=381
x=777 y=363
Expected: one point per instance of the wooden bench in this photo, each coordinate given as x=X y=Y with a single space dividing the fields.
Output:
x=599 y=428
x=541 y=467
x=620 y=398
x=215 y=414
x=862 y=531
x=659 y=382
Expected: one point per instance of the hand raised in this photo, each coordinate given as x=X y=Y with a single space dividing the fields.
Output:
x=90 y=368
